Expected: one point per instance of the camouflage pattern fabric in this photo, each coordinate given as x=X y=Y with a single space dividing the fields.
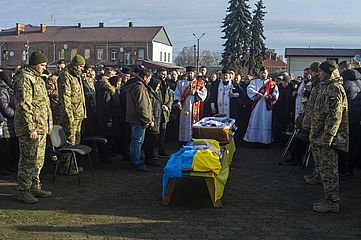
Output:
x=72 y=106
x=306 y=122
x=32 y=107
x=32 y=113
x=329 y=121
x=328 y=167
x=31 y=162
x=316 y=160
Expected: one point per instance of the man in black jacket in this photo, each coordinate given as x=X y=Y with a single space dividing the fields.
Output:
x=9 y=146
x=352 y=86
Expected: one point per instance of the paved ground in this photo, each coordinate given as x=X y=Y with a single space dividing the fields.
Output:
x=261 y=201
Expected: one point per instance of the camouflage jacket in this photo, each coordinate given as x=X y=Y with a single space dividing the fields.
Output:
x=306 y=122
x=32 y=106
x=71 y=96
x=329 y=121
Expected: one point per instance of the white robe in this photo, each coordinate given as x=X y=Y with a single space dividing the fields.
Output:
x=260 y=123
x=223 y=99
x=185 y=121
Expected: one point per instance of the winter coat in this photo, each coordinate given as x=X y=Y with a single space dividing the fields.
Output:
x=7 y=109
x=32 y=106
x=352 y=85
x=71 y=97
x=139 y=108
x=329 y=120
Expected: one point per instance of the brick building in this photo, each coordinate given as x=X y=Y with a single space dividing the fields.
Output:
x=99 y=45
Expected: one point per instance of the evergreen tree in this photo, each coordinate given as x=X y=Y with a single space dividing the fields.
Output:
x=236 y=28
x=257 y=50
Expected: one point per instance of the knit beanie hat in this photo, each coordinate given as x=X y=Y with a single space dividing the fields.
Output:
x=37 y=58
x=314 y=66
x=78 y=60
x=328 y=67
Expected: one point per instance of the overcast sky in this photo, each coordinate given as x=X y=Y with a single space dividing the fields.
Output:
x=288 y=23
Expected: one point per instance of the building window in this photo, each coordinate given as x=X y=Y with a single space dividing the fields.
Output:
x=141 y=54
x=23 y=55
x=161 y=56
x=73 y=52
x=127 y=57
x=165 y=56
x=168 y=57
x=87 y=53
x=100 y=54
x=61 y=54
x=114 y=54
x=5 y=55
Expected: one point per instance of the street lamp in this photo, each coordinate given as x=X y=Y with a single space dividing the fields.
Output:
x=198 y=38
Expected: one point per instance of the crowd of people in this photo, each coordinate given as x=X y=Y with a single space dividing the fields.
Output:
x=133 y=107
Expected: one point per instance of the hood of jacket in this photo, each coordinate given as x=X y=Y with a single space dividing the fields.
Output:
x=351 y=74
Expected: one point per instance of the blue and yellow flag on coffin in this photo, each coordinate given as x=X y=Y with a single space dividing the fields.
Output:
x=198 y=156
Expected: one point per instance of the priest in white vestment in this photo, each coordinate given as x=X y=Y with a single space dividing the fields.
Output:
x=189 y=95
x=264 y=93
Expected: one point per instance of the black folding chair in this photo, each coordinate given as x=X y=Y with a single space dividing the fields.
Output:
x=58 y=142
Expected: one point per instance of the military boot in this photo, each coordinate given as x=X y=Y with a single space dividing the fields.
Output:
x=314 y=180
x=27 y=197
x=39 y=193
x=326 y=206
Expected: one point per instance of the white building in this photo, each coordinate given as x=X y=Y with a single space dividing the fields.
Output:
x=300 y=58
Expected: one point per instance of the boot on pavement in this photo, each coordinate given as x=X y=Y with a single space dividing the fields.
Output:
x=40 y=193
x=26 y=196
x=314 y=180
x=326 y=206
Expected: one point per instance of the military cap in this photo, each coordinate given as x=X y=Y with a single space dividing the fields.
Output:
x=190 y=69
x=328 y=67
x=37 y=58
x=314 y=66
x=78 y=60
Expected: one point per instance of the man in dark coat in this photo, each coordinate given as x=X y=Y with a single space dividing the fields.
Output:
x=9 y=151
x=282 y=114
x=352 y=86
x=139 y=114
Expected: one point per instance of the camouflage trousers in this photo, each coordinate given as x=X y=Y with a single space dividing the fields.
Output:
x=328 y=167
x=316 y=168
x=72 y=138
x=31 y=162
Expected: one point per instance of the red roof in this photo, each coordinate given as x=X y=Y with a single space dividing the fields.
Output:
x=81 y=34
x=273 y=63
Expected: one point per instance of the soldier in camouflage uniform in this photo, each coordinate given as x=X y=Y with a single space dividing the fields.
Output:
x=52 y=88
x=72 y=106
x=314 y=178
x=33 y=121
x=329 y=133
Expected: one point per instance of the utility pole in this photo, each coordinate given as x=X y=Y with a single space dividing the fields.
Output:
x=198 y=38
